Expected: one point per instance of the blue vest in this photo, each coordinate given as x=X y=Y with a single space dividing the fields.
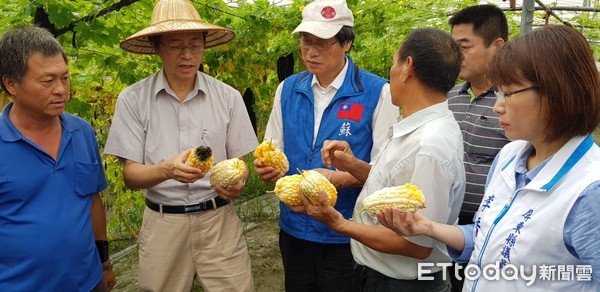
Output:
x=348 y=117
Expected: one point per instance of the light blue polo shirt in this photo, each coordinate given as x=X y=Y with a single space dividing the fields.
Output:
x=46 y=238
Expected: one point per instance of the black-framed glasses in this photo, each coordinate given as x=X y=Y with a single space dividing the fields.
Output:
x=502 y=96
x=319 y=46
x=180 y=47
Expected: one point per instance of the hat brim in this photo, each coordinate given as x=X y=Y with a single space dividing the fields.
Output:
x=319 y=29
x=139 y=43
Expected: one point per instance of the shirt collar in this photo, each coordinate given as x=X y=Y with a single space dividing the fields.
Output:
x=162 y=84
x=337 y=82
x=465 y=86
x=546 y=175
x=418 y=119
x=523 y=175
x=10 y=133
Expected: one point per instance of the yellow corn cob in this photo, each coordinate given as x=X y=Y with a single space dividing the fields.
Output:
x=270 y=155
x=227 y=172
x=201 y=157
x=287 y=190
x=312 y=183
x=406 y=198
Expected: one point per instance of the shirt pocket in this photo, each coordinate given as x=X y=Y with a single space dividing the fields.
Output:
x=217 y=141
x=487 y=138
x=86 y=178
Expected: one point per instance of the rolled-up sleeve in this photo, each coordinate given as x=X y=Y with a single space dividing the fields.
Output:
x=463 y=256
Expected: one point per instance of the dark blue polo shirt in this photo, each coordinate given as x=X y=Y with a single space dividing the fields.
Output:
x=46 y=238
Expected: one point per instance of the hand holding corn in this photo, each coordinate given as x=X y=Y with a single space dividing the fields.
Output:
x=175 y=168
x=228 y=172
x=270 y=162
x=270 y=155
x=413 y=224
x=404 y=224
x=312 y=183
x=228 y=177
x=309 y=183
x=287 y=189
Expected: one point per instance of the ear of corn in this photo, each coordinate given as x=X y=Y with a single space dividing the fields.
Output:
x=201 y=157
x=287 y=190
x=270 y=155
x=227 y=172
x=407 y=198
x=312 y=183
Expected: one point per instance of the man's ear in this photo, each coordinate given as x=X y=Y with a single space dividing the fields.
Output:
x=347 y=46
x=10 y=84
x=409 y=69
x=498 y=43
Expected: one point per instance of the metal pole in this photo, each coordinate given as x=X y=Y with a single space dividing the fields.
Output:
x=527 y=15
x=558 y=8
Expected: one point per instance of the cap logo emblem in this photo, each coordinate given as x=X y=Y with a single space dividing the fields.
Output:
x=328 y=12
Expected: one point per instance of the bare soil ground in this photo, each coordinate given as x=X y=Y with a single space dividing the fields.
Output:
x=261 y=231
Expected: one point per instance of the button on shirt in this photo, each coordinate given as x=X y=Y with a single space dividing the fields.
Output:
x=151 y=125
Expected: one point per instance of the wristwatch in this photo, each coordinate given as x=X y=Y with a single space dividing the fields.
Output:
x=102 y=246
x=107 y=267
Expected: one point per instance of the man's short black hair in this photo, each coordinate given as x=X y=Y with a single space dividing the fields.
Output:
x=489 y=22
x=346 y=34
x=436 y=57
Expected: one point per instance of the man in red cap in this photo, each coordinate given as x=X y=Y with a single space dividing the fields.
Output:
x=189 y=227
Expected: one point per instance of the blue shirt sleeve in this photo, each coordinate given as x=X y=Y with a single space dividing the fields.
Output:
x=463 y=256
x=582 y=229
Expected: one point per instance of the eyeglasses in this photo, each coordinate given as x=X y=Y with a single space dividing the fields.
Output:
x=319 y=46
x=502 y=96
x=179 y=47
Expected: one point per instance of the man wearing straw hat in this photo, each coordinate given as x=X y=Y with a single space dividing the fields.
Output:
x=333 y=99
x=189 y=227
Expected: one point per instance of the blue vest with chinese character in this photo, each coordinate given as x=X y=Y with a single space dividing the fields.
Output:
x=348 y=117
x=524 y=227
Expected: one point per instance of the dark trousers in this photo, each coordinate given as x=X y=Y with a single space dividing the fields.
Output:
x=456 y=283
x=315 y=267
x=368 y=280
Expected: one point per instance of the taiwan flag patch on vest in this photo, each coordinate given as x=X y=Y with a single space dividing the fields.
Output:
x=351 y=111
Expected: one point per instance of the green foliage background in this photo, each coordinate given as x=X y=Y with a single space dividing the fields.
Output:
x=90 y=33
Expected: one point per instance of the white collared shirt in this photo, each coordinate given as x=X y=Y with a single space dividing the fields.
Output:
x=426 y=150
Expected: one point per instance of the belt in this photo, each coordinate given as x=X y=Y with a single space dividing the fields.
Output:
x=362 y=272
x=211 y=204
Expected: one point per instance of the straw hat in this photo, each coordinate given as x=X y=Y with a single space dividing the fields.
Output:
x=175 y=16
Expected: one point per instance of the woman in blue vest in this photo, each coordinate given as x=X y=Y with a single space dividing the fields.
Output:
x=537 y=228
x=332 y=99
